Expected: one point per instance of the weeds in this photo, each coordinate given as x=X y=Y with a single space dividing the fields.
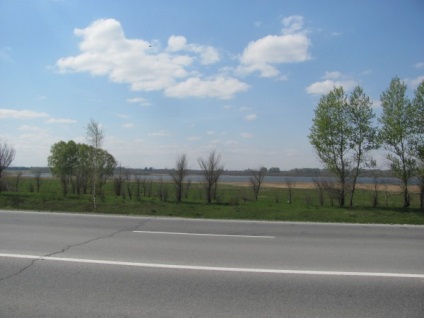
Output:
x=233 y=202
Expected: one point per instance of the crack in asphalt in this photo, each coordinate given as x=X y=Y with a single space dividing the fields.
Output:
x=20 y=271
x=134 y=228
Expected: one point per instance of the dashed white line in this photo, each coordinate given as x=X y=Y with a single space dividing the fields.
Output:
x=214 y=268
x=206 y=234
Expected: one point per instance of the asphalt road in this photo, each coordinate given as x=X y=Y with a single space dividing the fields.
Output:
x=67 y=265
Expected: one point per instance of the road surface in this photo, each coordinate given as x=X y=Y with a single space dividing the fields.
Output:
x=70 y=265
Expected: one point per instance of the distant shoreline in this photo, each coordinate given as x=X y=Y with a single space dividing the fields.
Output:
x=310 y=185
x=388 y=184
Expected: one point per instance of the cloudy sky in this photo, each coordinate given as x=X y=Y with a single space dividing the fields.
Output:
x=241 y=77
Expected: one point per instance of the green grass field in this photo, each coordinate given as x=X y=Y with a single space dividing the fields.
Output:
x=233 y=202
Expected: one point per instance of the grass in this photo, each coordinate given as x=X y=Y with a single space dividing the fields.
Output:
x=233 y=202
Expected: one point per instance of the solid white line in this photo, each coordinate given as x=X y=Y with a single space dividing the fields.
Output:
x=214 y=268
x=201 y=234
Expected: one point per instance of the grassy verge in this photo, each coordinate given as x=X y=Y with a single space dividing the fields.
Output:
x=234 y=202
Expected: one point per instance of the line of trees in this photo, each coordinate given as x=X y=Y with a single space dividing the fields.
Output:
x=344 y=133
x=80 y=167
x=211 y=168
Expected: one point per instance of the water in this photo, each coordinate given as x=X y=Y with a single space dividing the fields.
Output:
x=246 y=178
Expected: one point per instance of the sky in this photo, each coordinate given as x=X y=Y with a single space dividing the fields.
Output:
x=163 y=78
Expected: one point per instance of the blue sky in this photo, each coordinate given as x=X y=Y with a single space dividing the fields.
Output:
x=171 y=77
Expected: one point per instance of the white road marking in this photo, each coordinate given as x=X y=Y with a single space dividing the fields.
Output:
x=214 y=268
x=202 y=234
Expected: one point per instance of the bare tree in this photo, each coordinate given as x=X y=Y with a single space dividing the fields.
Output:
x=144 y=185
x=128 y=176
x=137 y=180
x=95 y=139
x=212 y=170
x=37 y=178
x=374 y=197
x=7 y=155
x=178 y=175
x=18 y=180
x=256 y=180
x=149 y=187
x=330 y=186
x=163 y=190
x=186 y=188
x=118 y=181
x=290 y=184
x=320 y=188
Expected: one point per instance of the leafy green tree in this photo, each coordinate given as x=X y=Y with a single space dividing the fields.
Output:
x=72 y=162
x=418 y=104
x=330 y=135
x=342 y=134
x=105 y=166
x=398 y=133
x=63 y=161
x=420 y=175
x=82 y=169
x=364 y=133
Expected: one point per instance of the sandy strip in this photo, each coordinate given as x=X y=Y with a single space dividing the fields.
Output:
x=311 y=185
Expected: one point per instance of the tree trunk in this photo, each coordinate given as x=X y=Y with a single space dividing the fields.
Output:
x=209 y=193
x=342 y=198
x=406 y=198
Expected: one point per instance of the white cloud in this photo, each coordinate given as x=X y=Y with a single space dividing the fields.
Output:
x=219 y=87
x=160 y=133
x=20 y=114
x=193 y=138
x=210 y=132
x=60 y=121
x=208 y=54
x=138 y=100
x=376 y=103
x=419 y=65
x=122 y=116
x=332 y=75
x=414 y=82
x=250 y=117
x=33 y=129
x=290 y=47
x=244 y=108
x=292 y=24
x=246 y=135
x=331 y=80
x=128 y=125
x=176 y=43
x=105 y=51
x=231 y=142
